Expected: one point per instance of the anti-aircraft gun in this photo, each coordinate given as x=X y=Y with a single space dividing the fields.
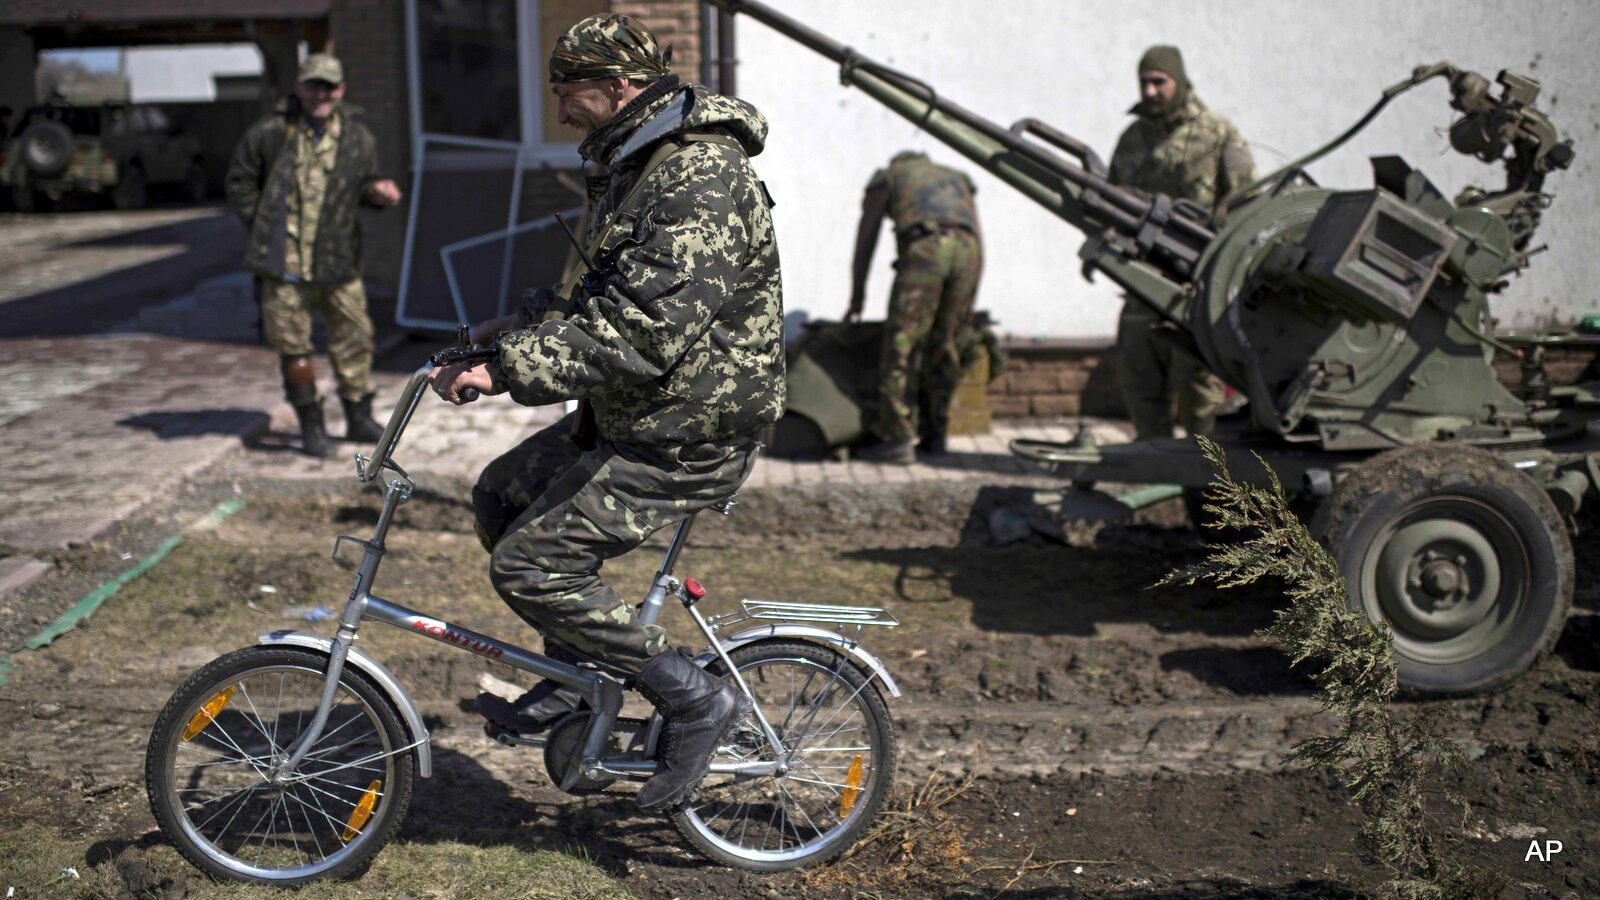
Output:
x=1357 y=325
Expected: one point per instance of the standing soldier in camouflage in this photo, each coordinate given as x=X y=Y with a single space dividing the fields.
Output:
x=1180 y=148
x=936 y=278
x=296 y=180
x=674 y=343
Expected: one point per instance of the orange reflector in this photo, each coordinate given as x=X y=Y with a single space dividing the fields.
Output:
x=207 y=714
x=852 y=787
x=362 y=812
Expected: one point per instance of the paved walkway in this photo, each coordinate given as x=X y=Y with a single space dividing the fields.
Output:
x=94 y=427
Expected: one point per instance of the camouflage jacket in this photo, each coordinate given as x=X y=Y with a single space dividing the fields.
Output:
x=261 y=180
x=922 y=192
x=1193 y=154
x=684 y=343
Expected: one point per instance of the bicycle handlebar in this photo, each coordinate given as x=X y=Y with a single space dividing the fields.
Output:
x=464 y=351
x=367 y=468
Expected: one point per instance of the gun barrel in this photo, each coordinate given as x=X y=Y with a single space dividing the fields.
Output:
x=1082 y=195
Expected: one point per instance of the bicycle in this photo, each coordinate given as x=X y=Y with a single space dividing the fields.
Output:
x=293 y=760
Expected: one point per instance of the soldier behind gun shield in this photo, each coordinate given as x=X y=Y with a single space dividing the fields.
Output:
x=1180 y=148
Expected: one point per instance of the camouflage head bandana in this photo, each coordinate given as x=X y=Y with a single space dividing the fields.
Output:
x=1168 y=60
x=608 y=46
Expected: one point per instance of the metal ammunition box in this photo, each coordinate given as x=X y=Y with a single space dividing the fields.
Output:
x=1377 y=254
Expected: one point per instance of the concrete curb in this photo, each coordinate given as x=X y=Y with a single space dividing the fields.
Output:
x=19 y=572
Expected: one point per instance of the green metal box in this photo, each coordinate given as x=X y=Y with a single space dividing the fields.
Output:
x=1375 y=253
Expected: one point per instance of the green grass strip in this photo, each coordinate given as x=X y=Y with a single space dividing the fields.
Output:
x=70 y=619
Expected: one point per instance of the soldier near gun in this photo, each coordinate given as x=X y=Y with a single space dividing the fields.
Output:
x=675 y=342
x=296 y=181
x=940 y=259
x=1180 y=148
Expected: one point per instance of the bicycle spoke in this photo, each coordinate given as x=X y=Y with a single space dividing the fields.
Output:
x=243 y=794
x=255 y=718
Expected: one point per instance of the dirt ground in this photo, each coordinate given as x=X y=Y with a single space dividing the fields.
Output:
x=1066 y=730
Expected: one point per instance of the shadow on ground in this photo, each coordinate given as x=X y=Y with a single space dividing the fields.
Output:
x=193 y=423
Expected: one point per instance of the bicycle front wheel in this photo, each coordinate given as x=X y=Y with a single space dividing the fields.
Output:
x=208 y=768
x=839 y=746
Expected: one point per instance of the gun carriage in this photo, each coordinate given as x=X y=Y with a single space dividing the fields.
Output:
x=1357 y=325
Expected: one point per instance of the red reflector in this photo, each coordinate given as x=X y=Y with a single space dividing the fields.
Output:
x=693 y=589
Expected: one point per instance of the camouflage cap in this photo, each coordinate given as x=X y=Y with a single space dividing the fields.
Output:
x=321 y=67
x=608 y=45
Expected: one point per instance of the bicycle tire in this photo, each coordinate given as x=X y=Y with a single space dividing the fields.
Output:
x=801 y=818
x=205 y=765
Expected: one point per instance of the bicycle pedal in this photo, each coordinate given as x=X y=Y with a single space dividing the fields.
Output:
x=510 y=739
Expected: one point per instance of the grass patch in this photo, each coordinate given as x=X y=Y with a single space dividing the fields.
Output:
x=36 y=860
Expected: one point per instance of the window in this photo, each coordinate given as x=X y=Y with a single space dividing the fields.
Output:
x=467 y=54
x=484 y=192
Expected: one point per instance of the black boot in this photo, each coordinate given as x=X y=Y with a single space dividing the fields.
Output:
x=700 y=710
x=540 y=707
x=358 y=422
x=534 y=711
x=314 y=440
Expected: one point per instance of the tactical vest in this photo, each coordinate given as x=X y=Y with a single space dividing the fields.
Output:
x=923 y=193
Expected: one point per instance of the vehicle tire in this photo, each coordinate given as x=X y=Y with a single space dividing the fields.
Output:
x=205 y=769
x=195 y=184
x=46 y=148
x=1465 y=558
x=840 y=739
x=130 y=192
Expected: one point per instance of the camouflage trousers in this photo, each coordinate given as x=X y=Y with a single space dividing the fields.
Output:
x=286 y=309
x=555 y=513
x=936 y=279
x=1153 y=370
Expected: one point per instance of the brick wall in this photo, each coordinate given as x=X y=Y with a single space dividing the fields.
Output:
x=1045 y=379
x=675 y=22
x=1562 y=366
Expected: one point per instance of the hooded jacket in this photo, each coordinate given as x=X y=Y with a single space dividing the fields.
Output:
x=261 y=179
x=1190 y=153
x=681 y=339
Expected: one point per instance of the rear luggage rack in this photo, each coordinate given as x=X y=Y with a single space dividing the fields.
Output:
x=806 y=612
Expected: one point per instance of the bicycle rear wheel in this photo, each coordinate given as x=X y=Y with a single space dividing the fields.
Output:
x=206 y=769
x=839 y=742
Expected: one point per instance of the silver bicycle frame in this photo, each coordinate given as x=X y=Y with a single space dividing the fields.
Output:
x=603 y=692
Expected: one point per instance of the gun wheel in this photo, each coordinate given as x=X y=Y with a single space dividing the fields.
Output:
x=1463 y=557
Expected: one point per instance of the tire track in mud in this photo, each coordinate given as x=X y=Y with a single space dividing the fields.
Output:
x=1048 y=740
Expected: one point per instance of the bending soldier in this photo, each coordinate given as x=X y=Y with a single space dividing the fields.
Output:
x=1180 y=148
x=936 y=278
x=675 y=343
x=296 y=180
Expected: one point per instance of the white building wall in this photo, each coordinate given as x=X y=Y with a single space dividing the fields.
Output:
x=1290 y=75
x=173 y=74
